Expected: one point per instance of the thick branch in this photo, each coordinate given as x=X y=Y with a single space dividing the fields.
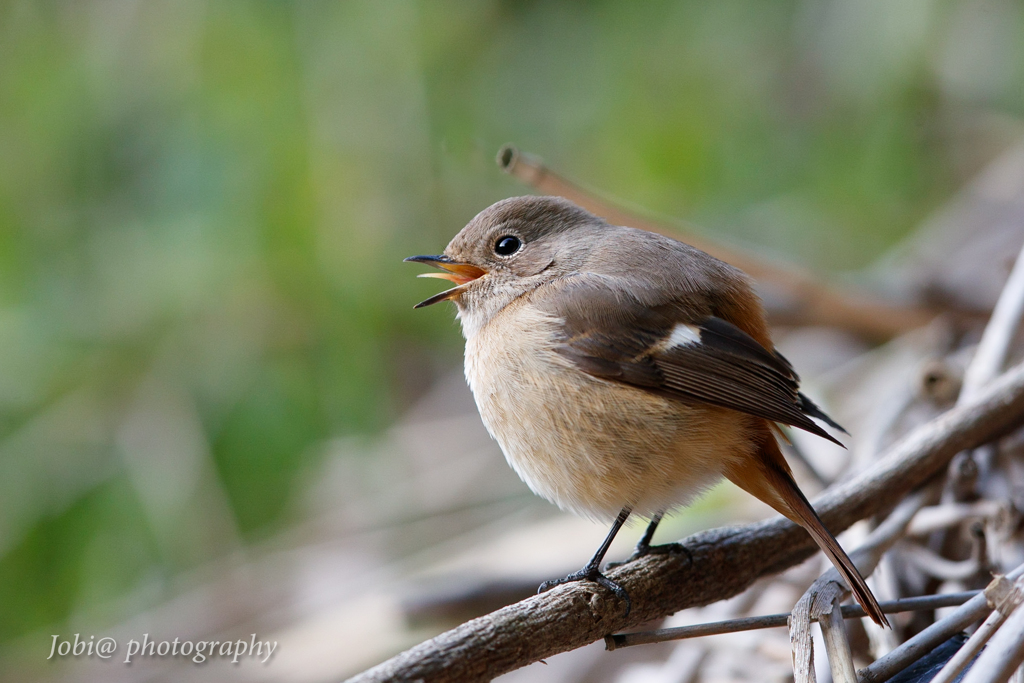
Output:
x=725 y=561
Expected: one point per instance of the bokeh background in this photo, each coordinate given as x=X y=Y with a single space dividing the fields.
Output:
x=207 y=340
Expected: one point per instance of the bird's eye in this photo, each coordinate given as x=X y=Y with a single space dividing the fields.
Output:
x=507 y=245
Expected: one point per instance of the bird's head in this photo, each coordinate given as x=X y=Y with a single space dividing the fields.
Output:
x=509 y=249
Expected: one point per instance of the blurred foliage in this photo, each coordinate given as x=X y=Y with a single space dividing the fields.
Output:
x=204 y=206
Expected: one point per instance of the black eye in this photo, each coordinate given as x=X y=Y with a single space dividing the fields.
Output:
x=507 y=245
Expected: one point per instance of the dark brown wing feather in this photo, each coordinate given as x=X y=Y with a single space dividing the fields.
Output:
x=608 y=333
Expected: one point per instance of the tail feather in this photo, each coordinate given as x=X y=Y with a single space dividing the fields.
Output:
x=770 y=480
x=809 y=407
x=809 y=520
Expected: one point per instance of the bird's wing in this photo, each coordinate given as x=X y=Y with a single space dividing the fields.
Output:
x=676 y=348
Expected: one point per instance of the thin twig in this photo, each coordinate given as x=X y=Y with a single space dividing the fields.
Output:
x=924 y=602
x=1003 y=655
x=994 y=347
x=969 y=649
x=946 y=515
x=971 y=611
x=809 y=301
x=1005 y=596
x=933 y=564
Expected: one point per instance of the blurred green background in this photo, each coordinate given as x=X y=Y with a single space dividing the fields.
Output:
x=204 y=207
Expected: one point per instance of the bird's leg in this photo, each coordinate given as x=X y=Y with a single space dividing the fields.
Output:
x=644 y=547
x=592 y=572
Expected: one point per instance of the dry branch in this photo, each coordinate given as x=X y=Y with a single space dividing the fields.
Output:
x=971 y=611
x=714 y=628
x=725 y=561
x=1002 y=326
x=999 y=659
x=837 y=644
x=1010 y=600
x=808 y=301
x=1003 y=655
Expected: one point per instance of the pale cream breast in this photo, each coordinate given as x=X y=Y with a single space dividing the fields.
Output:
x=590 y=445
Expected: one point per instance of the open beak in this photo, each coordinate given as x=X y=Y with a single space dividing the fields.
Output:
x=459 y=273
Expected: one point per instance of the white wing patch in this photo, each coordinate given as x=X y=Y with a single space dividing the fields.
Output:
x=682 y=335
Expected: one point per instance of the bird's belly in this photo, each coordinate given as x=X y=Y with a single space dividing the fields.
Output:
x=590 y=445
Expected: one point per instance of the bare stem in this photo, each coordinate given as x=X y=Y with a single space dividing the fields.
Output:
x=925 y=602
x=1004 y=653
x=837 y=645
x=994 y=347
x=971 y=611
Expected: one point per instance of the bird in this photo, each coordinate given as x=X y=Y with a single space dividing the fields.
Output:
x=623 y=372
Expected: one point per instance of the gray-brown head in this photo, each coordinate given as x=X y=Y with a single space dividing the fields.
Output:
x=511 y=248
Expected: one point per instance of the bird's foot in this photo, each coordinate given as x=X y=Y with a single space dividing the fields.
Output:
x=590 y=573
x=645 y=549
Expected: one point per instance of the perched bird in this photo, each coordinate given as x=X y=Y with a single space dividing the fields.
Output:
x=623 y=372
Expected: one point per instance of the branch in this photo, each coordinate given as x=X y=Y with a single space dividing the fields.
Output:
x=725 y=561
x=1010 y=600
x=884 y=668
x=1004 y=652
x=715 y=628
x=807 y=300
x=994 y=347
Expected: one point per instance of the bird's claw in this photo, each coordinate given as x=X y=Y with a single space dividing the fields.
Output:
x=645 y=549
x=590 y=574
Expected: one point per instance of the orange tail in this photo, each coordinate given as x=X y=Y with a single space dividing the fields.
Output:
x=771 y=480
